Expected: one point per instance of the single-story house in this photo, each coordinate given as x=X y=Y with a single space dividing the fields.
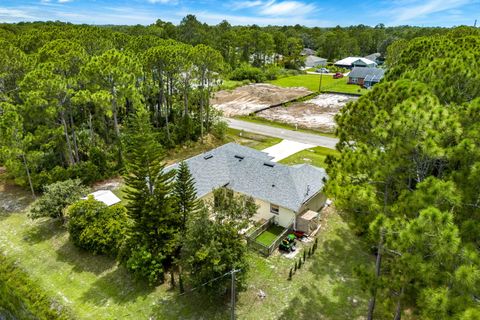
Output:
x=105 y=196
x=351 y=62
x=366 y=77
x=283 y=192
x=314 y=62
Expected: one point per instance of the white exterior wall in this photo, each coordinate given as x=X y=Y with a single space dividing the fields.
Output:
x=284 y=218
x=315 y=203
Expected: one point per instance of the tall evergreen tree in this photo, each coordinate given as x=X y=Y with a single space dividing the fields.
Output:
x=150 y=204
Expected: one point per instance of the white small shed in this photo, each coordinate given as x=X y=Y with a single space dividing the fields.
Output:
x=105 y=196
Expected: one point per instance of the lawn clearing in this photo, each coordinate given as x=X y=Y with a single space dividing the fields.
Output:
x=315 y=156
x=312 y=81
x=268 y=236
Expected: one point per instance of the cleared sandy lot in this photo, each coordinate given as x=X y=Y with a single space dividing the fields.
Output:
x=317 y=113
x=254 y=97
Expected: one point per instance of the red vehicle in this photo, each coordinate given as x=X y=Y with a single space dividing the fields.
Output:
x=338 y=75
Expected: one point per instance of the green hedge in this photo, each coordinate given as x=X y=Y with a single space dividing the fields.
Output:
x=22 y=298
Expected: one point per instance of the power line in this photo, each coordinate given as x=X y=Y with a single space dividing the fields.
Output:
x=208 y=282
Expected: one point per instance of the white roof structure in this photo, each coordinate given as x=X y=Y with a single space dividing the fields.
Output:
x=105 y=196
x=351 y=60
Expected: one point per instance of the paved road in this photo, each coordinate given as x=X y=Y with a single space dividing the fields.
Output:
x=298 y=136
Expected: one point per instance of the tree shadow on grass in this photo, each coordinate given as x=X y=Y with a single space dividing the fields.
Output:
x=84 y=261
x=193 y=305
x=117 y=286
x=42 y=230
x=342 y=298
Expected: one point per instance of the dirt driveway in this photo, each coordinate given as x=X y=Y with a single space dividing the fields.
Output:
x=254 y=97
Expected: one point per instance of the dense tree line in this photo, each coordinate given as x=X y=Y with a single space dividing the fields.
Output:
x=408 y=178
x=66 y=92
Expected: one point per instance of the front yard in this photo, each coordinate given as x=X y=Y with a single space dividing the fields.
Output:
x=312 y=81
x=315 y=156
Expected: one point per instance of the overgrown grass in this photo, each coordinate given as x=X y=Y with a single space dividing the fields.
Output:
x=315 y=156
x=96 y=287
x=268 y=236
x=312 y=81
x=281 y=125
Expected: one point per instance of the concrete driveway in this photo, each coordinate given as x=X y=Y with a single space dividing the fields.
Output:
x=285 y=149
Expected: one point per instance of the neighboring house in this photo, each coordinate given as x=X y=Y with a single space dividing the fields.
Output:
x=105 y=196
x=314 y=62
x=375 y=57
x=352 y=62
x=283 y=192
x=366 y=77
x=308 y=52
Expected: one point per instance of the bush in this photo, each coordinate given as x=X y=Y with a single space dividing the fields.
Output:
x=95 y=227
x=247 y=72
x=56 y=198
x=219 y=129
x=144 y=265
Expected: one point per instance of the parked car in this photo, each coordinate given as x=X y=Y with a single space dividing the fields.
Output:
x=338 y=75
x=322 y=70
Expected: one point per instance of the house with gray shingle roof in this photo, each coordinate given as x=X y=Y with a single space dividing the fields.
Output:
x=280 y=191
x=366 y=77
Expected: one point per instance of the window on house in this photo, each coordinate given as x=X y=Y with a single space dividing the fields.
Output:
x=274 y=209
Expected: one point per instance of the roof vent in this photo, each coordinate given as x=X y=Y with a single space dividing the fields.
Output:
x=208 y=156
x=268 y=164
x=240 y=158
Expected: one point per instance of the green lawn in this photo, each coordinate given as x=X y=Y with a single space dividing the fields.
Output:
x=252 y=140
x=315 y=156
x=311 y=82
x=270 y=235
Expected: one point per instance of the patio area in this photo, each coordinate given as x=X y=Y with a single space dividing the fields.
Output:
x=268 y=236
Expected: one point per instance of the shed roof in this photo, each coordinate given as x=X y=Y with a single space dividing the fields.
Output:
x=251 y=172
x=105 y=196
x=313 y=61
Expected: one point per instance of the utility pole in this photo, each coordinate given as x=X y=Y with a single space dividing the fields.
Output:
x=232 y=316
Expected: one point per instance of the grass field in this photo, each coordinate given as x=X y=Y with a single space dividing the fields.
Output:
x=268 y=236
x=311 y=82
x=315 y=156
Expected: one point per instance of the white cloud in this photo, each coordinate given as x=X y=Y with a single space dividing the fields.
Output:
x=64 y=1
x=238 y=5
x=14 y=15
x=409 y=11
x=275 y=8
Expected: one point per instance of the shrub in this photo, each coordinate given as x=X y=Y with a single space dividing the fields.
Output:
x=145 y=265
x=247 y=72
x=95 y=227
x=56 y=198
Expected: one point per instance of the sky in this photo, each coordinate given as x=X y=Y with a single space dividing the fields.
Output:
x=320 y=13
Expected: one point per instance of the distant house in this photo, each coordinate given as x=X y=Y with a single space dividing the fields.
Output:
x=314 y=62
x=307 y=52
x=105 y=196
x=284 y=193
x=375 y=57
x=366 y=77
x=352 y=62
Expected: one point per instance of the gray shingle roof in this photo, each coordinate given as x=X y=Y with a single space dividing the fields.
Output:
x=360 y=72
x=251 y=172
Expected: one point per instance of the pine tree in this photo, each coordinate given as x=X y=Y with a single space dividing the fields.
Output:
x=150 y=204
x=295 y=267
x=290 y=274
x=304 y=255
x=299 y=263
x=184 y=195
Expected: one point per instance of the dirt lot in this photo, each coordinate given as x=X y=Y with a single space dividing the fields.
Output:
x=254 y=97
x=317 y=113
